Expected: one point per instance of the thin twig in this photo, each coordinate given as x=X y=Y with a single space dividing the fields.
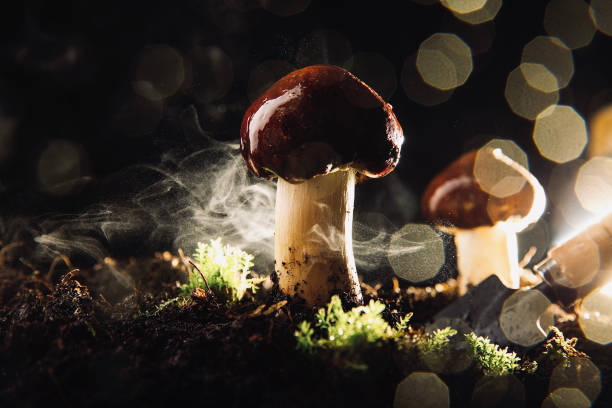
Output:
x=59 y=257
x=4 y=250
x=201 y=274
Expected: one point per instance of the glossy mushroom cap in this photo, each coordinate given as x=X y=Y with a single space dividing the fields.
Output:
x=316 y=120
x=454 y=198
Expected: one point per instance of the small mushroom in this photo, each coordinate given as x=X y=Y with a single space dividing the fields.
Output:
x=316 y=130
x=484 y=226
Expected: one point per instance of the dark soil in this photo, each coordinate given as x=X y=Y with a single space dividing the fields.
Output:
x=93 y=337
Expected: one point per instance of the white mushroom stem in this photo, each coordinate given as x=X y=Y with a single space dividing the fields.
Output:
x=488 y=250
x=313 y=249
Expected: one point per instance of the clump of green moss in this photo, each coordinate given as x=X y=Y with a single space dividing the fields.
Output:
x=436 y=342
x=493 y=360
x=223 y=269
x=437 y=352
x=350 y=331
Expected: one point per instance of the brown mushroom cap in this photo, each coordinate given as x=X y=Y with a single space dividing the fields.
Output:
x=316 y=120
x=454 y=197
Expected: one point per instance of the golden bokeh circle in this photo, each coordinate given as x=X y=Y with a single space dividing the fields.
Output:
x=520 y=316
x=444 y=61
x=601 y=13
x=539 y=77
x=463 y=6
x=416 y=252
x=495 y=177
x=418 y=90
x=553 y=54
x=560 y=133
x=436 y=69
x=569 y=20
x=577 y=372
x=421 y=389
x=525 y=100
x=482 y=15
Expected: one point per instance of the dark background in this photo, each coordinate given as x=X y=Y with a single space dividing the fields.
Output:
x=66 y=69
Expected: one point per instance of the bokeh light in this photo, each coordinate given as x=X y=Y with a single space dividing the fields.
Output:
x=560 y=133
x=8 y=126
x=600 y=131
x=496 y=177
x=418 y=90
x=601 y=13
x=569 y=20
x=539 y=77
x=416 y=252
x=62 y=167
x=520 y=317
x=554 y=55
x=285 y=8
x=266 y=74
x=525 y=100
x=160 y=72
x=420 y=390
x=566 y=398
x=482 y=15
x=375 y=70
x=444 y=61
x=211 y=73
x=500 y=391
x=593 y=185
x=577 y=372
x=323 y=47
x=595 y=316
x=463 y=6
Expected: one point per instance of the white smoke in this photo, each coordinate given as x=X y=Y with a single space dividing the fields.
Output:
x=198 y=197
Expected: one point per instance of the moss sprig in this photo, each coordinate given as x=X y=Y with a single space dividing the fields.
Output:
x=492 y=359
x=436 y=342
x=224 y=268
x=350 y=331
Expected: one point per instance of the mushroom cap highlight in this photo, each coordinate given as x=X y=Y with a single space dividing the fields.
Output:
x=317 y=120
x=455 y=198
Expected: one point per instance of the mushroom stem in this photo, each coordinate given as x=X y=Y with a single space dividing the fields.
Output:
x=484 y=251
x=313 y=247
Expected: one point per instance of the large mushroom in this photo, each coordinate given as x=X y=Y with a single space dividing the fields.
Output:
x=315 y=130
x=485 y=226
